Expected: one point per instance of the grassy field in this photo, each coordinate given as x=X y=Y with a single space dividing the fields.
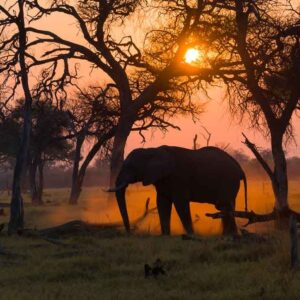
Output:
x=110 y=264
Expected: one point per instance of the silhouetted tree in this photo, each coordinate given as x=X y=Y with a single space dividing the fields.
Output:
x=48 y=143
x=93 y=117
x=15 y=59
x=10 y=133
x=263 y=54
x=149 y=77
x=15 y=63
x=269 y=90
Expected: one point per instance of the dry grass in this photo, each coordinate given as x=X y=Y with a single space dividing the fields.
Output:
x=109 y=265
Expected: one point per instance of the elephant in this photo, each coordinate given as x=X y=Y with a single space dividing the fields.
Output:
x=180 y=176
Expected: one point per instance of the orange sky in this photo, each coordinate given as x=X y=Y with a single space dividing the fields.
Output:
x=223 y=128
x=216 y=117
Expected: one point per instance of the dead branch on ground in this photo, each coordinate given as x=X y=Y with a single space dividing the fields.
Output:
x=250 y=215
x=253 y=217
x=52 y=234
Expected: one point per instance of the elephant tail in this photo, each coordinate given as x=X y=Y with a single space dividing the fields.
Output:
x=245 y=190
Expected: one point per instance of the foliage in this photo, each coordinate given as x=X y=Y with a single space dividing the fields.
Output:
x=47 y=134
x=9 y=132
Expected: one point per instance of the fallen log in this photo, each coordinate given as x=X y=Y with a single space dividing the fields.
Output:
x=250 y=215
x=53 y=234
x=78 y=226
x=253 y=217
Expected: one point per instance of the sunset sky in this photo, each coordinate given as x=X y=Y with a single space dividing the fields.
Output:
x=223 y=127
x=216 y=117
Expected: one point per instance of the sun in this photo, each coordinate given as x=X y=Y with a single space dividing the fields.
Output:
x=192 y=55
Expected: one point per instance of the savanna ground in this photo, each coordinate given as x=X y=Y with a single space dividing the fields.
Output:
x=110 y=265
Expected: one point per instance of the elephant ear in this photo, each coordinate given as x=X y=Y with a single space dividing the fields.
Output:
x=157 y=168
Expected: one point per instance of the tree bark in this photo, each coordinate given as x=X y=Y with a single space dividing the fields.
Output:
x=280 y=181
x=32 y=181
x=36 y=182
x=41 y=182
x=16 y=221
x=75 y=189
x=122 y=132
x=278 y=175
x=80 y=174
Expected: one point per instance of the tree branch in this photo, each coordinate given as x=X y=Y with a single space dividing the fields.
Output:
x=253 y=217
x=254 y=150
x=250 y=215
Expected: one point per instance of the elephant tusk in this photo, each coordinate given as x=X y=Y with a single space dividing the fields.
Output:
x=117 y=188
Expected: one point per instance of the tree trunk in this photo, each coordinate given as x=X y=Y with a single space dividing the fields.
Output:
x=75 y=189
x=32 y=181
x=16 y=221
x=280 y=181
x=41 y=182
x=78 y=179
x=121 y=135
x=82 y=171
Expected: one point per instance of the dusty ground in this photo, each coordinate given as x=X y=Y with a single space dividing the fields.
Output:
x=110 y=264
x=96 y=207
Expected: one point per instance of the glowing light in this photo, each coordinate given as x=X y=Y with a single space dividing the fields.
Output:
x=192 y=55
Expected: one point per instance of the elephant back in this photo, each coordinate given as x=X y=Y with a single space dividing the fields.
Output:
x=220 y=159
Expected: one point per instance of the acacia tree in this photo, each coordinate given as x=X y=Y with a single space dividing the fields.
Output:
x=92 y=119
x=269 y=90
x=13 y=62
x=145 y=75
x=48 y=144
x=14 y=69
x=9 y=132
x=261 y=40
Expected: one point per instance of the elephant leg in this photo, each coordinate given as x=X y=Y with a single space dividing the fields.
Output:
x=228 y=222
x=229 y=225
x=164 y=207
x=184 y=213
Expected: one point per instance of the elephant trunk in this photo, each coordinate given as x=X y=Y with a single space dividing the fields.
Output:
x=117 y=188
x=120 y=194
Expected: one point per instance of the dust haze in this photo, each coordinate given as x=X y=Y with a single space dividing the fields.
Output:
x=99 y=207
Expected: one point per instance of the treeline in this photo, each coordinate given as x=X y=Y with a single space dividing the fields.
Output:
x=254 y=170
x=98 y=174
x=60 y=177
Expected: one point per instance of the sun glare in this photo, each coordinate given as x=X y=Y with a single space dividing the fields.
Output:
x=192 y=55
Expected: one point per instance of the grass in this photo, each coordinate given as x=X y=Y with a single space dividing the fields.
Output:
x=111 y=267
x=110 y=264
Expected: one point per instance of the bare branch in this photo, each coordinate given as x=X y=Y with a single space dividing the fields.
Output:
x=251 y=216
x=254 y=150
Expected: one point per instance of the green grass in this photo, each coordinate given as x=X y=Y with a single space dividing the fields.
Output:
x=111 y=267
x=110 y=264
